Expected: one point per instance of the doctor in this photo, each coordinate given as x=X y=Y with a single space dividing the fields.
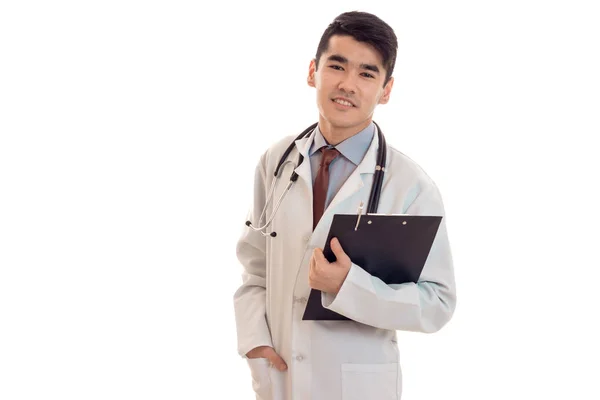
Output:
x=289 y=358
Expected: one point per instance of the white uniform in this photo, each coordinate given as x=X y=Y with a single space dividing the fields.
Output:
x=335 y=360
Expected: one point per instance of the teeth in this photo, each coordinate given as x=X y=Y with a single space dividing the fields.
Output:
x=343 y=102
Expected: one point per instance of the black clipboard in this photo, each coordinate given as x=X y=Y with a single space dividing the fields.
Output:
x=393 y=248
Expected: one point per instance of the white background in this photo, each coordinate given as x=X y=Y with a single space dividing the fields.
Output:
x=129 y=135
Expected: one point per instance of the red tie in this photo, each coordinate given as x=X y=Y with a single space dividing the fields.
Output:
x=322 y=183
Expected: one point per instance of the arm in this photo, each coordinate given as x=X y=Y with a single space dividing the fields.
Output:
x=425 y=306
x=250 y=297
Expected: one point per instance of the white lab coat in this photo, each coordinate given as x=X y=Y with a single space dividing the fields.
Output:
x=335 y=360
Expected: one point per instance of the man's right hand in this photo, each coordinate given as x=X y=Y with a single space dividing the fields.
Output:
x=270 y=354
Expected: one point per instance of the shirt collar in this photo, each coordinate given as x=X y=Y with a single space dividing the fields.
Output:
x=354 y=148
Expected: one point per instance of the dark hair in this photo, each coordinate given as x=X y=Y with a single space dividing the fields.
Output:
x=367 y=28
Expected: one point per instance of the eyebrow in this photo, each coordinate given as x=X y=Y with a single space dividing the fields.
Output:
x=344 y=60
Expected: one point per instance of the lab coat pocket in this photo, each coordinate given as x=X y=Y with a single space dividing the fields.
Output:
x=370 y=381
x=277 y=383
x=261 y=381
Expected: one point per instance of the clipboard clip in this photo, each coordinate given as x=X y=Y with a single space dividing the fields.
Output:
x=359 y=212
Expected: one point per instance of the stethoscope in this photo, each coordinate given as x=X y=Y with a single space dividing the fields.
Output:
x=373 y=197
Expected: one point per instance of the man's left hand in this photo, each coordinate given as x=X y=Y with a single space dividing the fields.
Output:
x=325 y=276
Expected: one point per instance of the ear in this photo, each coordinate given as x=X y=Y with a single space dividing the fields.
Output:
x=387 y=90
x=312 y=68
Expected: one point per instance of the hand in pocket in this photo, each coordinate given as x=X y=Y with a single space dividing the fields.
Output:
x=270 y=354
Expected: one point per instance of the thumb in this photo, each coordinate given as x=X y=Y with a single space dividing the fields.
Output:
x=275 y=359
x=337 y=249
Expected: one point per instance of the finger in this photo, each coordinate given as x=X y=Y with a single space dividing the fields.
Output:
x=337 y=249
x=275 y=359
x=312 y=268
x=319 y=256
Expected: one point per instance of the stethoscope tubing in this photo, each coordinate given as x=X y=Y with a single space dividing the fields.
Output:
x=373 y=196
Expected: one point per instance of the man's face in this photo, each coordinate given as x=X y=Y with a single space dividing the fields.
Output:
x=349 y=83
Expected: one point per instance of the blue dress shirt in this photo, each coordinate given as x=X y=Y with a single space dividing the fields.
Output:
x=352 y=151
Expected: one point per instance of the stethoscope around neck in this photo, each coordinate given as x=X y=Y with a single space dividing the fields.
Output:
x=375 y=188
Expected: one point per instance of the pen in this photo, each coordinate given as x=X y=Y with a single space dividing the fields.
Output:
x=360 y=208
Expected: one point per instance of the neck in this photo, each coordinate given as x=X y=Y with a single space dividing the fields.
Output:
x=335 y=134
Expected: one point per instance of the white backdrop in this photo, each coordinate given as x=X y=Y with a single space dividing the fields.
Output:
x=129 y=135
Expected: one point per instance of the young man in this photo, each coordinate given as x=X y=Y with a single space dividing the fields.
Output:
x=290 y=358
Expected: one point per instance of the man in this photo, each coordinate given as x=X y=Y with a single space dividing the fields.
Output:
x=290 y=358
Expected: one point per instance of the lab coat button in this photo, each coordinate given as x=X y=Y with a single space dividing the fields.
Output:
x=299 y=358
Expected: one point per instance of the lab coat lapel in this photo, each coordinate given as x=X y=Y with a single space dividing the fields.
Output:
x=302 y=195
x=303 y=170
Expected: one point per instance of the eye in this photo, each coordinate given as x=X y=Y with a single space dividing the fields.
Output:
x=368 y=75
x=336 y=67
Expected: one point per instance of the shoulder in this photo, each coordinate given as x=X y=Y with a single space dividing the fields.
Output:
x=401 y=167
x=411 y=185
x=408 y=187
x=269 y=158
x=271 y=155
x=277 y=149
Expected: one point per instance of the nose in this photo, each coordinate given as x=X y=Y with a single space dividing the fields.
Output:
x=347 y=83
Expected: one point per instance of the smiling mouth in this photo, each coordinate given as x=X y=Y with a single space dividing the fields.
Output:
x=343 y=102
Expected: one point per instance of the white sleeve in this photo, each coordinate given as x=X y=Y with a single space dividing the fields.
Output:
x=250 y=297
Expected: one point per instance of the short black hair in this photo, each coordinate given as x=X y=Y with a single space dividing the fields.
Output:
x=367 y=28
